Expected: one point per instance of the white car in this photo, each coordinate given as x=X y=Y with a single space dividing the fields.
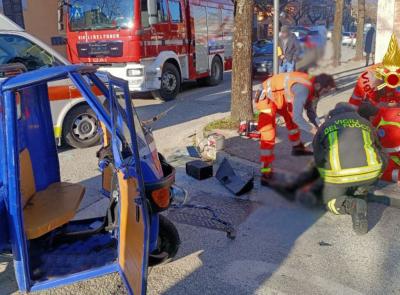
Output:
x=349 y=39
x=74 y=122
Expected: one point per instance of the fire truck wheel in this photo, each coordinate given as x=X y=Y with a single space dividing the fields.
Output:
x=80 y=128
x=170 y=83
x=217 y=73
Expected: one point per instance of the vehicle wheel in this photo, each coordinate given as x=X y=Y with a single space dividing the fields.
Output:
x=170 y=83
x=217 y=73
x=168 y=243
x=80 y=127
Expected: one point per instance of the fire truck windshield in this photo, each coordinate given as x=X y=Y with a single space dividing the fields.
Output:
x=100 y=14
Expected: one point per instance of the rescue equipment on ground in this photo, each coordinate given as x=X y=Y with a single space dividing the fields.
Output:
x=199 y=169
x=211 y=145
x=230 y=180
x=249 y=129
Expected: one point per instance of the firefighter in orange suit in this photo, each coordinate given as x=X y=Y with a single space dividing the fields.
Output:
x=288 y=95
x=379 y=87
x=365 y=88
x=380 y=80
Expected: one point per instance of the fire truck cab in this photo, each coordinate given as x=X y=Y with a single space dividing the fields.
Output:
x=153 y=44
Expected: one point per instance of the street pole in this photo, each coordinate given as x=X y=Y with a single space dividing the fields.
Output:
x=276 y=36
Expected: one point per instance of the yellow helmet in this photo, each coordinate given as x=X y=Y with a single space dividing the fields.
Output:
x=389 y=72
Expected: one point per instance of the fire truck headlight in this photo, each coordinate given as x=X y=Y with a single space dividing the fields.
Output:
x=134 y=72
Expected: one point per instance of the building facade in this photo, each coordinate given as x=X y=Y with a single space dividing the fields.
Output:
x=388 y=22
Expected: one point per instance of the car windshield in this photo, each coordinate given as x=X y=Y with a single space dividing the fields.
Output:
x=100 y=14
x=15 y=49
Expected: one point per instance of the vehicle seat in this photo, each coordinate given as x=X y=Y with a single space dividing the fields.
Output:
x=48 y=209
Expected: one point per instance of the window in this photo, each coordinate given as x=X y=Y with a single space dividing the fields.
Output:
x=100 y=15
x=144 y=14
x=162 y=11
x=17 y=49
x=175 y=11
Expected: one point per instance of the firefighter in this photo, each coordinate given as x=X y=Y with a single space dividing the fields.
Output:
x=380 y=80
x=379 y=86
x=349 y=159
x=288 y=95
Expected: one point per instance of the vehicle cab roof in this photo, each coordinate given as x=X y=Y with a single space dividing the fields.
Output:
x=8 y=25
x=43 y=75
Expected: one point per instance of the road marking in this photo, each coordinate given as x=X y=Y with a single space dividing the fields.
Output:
x=214 y=96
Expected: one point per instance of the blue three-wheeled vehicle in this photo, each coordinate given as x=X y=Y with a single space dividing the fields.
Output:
x=37 y=210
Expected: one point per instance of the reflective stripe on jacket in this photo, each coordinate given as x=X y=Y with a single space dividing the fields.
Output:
x=346 y=150
x=278 y=89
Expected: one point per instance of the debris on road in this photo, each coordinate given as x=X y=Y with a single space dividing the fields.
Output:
x=199 y=169
x=211 y=145
x=235 y=184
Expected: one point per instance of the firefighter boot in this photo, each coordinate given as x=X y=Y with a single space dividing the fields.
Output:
x=358 y=209
x=300 y=150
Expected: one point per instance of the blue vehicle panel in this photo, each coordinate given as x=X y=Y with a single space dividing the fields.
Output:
x=26 y=125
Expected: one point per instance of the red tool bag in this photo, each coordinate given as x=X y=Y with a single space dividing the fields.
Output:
x=249 y=129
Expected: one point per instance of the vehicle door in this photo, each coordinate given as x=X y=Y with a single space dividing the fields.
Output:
x=134 y=215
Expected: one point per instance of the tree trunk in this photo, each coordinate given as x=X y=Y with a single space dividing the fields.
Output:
x=242 y=86
x=360 y=30
x=337 y=33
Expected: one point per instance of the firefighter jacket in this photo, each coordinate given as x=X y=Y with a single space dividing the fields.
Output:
x=347 y=150
x=366 y=87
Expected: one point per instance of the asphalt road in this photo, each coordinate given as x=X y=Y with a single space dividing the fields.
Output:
x=195 y=107
x=281 y=248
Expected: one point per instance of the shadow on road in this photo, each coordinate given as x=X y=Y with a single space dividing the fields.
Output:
x=8 y=285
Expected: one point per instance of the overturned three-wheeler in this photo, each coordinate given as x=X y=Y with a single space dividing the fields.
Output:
x=49 y=247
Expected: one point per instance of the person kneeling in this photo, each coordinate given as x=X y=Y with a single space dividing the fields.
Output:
x=349 y=159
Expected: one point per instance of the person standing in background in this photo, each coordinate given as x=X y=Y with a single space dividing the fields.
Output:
x=370 y=46
x=290 y=48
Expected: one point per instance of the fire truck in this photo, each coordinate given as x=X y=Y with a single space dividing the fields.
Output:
x=153 y=44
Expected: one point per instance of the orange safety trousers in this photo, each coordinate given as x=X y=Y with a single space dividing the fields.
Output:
x=267 y=128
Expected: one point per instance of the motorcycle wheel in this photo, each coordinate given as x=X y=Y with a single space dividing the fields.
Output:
x=168 y=243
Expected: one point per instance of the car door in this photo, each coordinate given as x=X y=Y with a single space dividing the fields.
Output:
x=133 y=213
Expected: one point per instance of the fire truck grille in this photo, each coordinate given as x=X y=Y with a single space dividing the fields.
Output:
x=100 y=49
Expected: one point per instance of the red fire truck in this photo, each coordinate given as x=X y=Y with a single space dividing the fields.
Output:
x=154 y=44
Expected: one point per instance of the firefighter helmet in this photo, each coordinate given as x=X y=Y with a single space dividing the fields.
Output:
x=389 y=71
